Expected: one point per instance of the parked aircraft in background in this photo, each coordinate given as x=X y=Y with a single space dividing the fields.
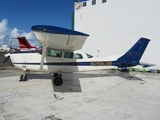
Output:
x=59 y=54
x=24 y=44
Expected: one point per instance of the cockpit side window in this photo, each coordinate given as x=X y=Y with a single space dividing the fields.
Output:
x=78 y=56
x=54 y=53
x=68 y=55
x=89 y=56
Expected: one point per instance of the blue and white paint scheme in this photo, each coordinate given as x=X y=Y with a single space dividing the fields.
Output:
x=59 y=38
x=58 y=54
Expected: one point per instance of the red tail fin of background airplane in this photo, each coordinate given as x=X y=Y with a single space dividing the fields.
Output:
x=24 y=44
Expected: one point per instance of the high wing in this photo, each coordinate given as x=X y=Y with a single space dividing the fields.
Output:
x=59 y=38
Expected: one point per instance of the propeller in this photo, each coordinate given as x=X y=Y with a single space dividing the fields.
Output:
x=6 y=59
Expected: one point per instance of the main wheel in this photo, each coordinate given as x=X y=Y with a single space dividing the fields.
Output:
x=58 y=81
x=23 y=78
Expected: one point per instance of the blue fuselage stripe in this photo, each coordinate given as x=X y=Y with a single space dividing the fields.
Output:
x=114 y=63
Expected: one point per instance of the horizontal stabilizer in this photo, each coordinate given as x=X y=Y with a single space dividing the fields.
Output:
x=134 y=63
x=146 y=64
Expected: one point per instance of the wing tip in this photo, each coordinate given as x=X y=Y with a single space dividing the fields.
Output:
x=57 y=30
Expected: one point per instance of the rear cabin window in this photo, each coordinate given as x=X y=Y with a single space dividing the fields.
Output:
x=93 y=2
x=79 y=56
x=84 y=4
x=104 y=1
x=68 y=55
x=54 y=53
x=89 y=56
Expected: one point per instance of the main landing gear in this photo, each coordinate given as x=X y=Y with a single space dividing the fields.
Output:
x=24 y=77
x=57 y=79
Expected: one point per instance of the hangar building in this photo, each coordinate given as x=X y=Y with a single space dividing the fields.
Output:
x=115 y=25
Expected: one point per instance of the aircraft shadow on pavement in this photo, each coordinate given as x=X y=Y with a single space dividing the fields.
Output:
x=126 y=75
x=70 y=84
x=71 y=81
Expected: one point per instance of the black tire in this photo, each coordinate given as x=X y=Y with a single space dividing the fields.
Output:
x=23 y=78
x=58 y=81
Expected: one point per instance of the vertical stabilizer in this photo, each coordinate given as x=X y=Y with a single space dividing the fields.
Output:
x=135 y=53
x=24 y=44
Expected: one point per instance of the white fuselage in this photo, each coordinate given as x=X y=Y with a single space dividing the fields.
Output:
x=28 y=60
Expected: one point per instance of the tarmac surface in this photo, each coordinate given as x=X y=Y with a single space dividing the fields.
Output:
x=95 y=95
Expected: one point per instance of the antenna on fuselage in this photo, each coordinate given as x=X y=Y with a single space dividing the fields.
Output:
x=11 y=44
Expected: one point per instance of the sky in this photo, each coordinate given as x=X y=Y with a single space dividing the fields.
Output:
x=18 y=16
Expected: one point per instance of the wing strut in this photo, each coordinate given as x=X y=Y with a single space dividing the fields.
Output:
x=43 y=56
x=68 y=39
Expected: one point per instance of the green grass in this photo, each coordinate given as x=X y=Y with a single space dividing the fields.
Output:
x=2 y=53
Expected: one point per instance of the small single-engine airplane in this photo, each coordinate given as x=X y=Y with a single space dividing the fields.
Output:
x=59 y=54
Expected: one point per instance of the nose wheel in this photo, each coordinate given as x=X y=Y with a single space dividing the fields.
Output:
x=23 y=78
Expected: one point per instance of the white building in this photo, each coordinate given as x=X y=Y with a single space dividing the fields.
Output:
x=4 y=48
x=115 y=25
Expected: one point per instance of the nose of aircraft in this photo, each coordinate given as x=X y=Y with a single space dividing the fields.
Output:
x=7 y=57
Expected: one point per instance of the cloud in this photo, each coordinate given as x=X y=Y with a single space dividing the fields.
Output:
x=6 y=33
x=16 y=33
x=3 y=29
x=3 y=25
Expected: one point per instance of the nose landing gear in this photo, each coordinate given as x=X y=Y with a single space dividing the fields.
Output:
x=24 y=77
